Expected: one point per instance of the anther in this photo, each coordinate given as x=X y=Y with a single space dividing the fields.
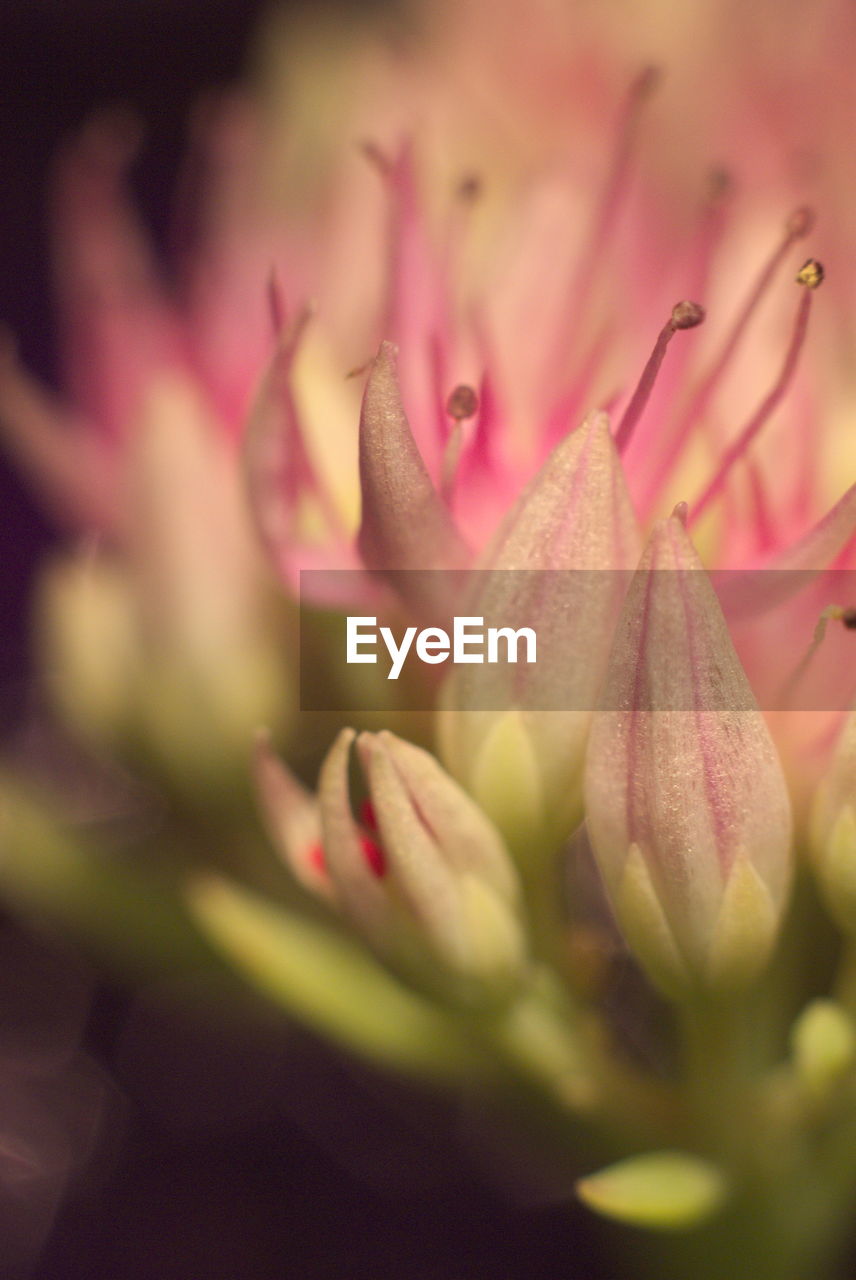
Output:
x=848 y=617
x=463 y=403
x=801 y=222
x=811 y=274
x=469 y=188
x=719 y=185
x=686 y=315
x=646 y=82
x=376 y=157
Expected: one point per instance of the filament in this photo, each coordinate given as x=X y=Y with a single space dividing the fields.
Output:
x=772 y=400
x=685 y=315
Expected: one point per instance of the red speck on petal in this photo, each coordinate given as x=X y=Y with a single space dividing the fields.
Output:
x=316 y=859
x=367 y=815
x=374 y=857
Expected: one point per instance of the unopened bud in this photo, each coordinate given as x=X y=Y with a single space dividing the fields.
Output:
x=515 y=734
x=823 y=1042
x=422 y=872
x=687 y=808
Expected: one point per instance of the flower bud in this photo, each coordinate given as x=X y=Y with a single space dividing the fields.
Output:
x=516 y=734
x=405 y=524
x=823 y=1046
x=687 y=808
x=834 y=830
x=435 y=868
x=292 y=819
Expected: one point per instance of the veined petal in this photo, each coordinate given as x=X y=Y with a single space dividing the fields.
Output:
x=421 y=873
x=468 y=840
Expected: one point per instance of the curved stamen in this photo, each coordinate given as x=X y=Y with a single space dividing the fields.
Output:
x=685 y=315
x=615 y=187
x=810 y=276
x=463 y=403
x=832 y=613
x=797 y=227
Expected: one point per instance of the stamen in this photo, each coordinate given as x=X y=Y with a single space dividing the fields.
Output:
x=764 y=527
x=615 y=187
x=276 y=302
x=360 y=369
x=715 y=206
x=719 y=185
x=463 y=403
x=832 y=613
x=811 y=276
x=797 y=227
x=376 y=157
x=685 y=315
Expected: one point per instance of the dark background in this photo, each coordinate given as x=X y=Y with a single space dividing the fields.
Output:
x=229 y=1152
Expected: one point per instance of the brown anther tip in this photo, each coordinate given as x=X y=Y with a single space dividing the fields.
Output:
x=801 y=222
x=376 y=157
x=720 y=184
x=681 y=512
x=848 y=617
x=811 y=274
x=647 y=81
x=462 y=403
x=686 y=315
x=469 y=188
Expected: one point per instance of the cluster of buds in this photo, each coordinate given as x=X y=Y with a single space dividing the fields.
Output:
x=495 y=441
